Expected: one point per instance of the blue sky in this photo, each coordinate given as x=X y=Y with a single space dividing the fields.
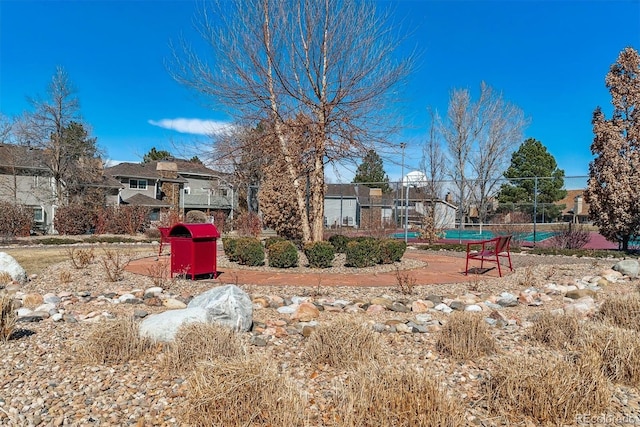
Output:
x=549 y=58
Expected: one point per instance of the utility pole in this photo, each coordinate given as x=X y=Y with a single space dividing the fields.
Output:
x=403 y=145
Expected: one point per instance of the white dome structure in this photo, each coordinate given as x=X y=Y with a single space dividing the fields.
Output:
x=415 y=179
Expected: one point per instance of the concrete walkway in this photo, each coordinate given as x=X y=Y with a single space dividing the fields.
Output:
x=440 y=269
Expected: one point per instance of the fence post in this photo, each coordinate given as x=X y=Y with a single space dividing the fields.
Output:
x=535 y=208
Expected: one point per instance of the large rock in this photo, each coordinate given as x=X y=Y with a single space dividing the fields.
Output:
x=628 y=267
x=9 y=265
x=226 y=305
x=163 y=326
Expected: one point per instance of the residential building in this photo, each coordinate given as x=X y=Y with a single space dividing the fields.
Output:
x=576 y=209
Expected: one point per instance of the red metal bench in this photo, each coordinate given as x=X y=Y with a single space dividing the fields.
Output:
x=489 y=250
x=164 y=237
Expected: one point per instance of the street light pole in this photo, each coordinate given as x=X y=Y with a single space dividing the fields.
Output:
x=403 y=145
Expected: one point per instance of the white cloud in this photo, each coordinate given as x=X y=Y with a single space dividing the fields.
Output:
x=193 y=126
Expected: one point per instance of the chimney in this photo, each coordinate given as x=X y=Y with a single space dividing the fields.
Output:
x=167 y=169
x=577 y=206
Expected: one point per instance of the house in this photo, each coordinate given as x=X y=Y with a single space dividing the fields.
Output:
x=341 y=206
x=26 y=179
x=576 y=209
x=175 y=183
x=358 y=206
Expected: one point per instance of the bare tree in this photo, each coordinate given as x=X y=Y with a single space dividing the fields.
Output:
x=54 y=126
x=612 y=190
x=501 y=133
x=433 y=161
x=480 y=137
x=330 y=60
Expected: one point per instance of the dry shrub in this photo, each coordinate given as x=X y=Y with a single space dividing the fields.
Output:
x=548 y=389
x=555 y=331
x=114 y=262
x=344 y=343
x=396 y=397
x=198 y=342
x=405 y=282
x=65 y=276
x=245 y=392
x=80 y=258
x=197 y=217
x=8 y=316
x=159 y=273
x=621 y=310
x=571 y=236
x=113 y=341
x=466 y=336
x=618 y=351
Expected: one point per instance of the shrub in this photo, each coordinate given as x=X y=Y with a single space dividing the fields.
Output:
x=113 y=341
x=122 y=220
x=344 y=343
x=15 y=220
x=8 y=316
x=319 y=254
x=573 y=236
x=283 y=255
x=363 y=252
x=74 y=219
x=249 y=251
x=466 y=336
x=248 y=225
x=197 y=217
x=339 y=242
x=391 y=250
x=114 y=262
x=271 y=240
x=393 y=396
x=242 y=392
x=229 y=245
x=198 y=342
x=80 y=258
x=549 y=390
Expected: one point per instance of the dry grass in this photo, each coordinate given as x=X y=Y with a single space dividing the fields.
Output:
x=549 y=390
x=65 y=277
x=114 y=262
x=8 y=316
x=344 y=343
x=399 y=397
x=198 y=342
x=80 y=258
x=466 y=336
x=245 y=392
x=618 y=351
x=5 y=278
x=621 y=310
x=555 y=331
x=113 y=341
x=37 y=260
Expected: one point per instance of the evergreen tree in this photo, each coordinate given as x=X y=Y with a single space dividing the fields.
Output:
x=533 y=160
x=371 y=172
x=155 y=155
x=614 y=177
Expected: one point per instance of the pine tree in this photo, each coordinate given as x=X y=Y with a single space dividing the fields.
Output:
x=530 y=161
x=614 y=177
x=371 y=172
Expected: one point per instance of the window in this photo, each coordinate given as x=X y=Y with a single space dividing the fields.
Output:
x=154 y=215
x=187 y=190
x=224 y=192
x=140 y=184
x=38 y=215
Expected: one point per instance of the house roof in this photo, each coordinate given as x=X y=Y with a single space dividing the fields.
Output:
x=570 y=202
x=341 y=190
x=150 y=170
x=142 y=200
x=21 y=157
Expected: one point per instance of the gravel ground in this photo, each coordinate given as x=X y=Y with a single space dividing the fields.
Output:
x=42 y=382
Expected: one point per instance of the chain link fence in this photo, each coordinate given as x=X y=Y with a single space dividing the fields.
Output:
x=533 y=208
